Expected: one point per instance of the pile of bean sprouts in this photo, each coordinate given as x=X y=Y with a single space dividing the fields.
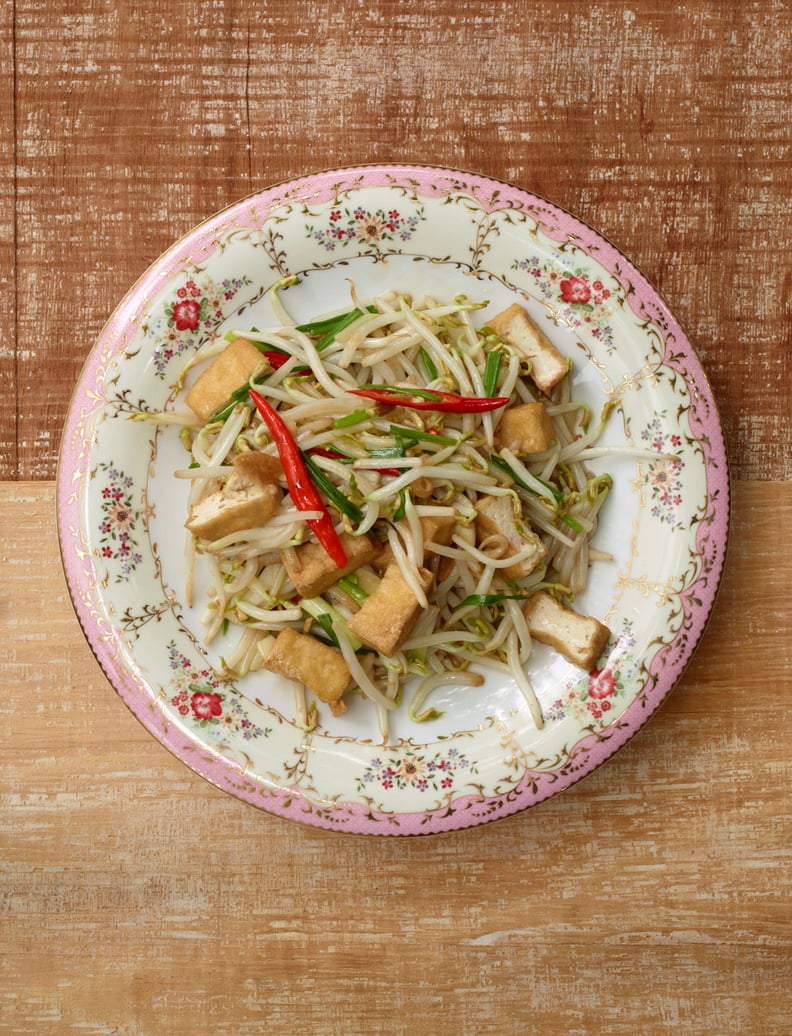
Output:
x=472 y=621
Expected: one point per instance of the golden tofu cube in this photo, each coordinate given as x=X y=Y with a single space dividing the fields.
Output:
x=313 y=571
x=387 y=617
x=495 y=517
x=526 y=428
x=580 y=638
x=436 y=529
x=516 y=328
x=318 y=666
x=224 y=375
x=250 y=496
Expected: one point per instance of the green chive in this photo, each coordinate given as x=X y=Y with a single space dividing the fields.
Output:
x=331 y=491
x=429 y=366
x=388 y=453
x=506 y=468
x=352 y=587
x=485 y=600
x=403 y=432
x=491 y=372
x=327 y=330
x=354 y=418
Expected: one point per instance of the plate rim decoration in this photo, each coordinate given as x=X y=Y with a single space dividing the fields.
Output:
x=317 y=225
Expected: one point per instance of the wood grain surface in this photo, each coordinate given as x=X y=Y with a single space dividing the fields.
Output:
x=654 y=897
x=664 y=126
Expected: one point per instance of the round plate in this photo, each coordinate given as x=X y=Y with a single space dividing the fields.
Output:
x=423 y=231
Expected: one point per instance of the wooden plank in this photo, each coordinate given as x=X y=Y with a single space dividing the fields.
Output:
x=8 y=357
x=665 y=127
x=652 y=897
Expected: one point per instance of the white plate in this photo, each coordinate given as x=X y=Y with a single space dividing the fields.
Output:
x=420 y=230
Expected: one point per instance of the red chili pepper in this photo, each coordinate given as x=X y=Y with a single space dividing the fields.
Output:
x=429 y=399
x=320 y=451
x=303 y=492
x=278 y=359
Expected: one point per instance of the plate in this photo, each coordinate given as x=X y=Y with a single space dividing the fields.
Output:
x=426 y=231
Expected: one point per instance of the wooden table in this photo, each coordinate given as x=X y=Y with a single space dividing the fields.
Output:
x=652 y=897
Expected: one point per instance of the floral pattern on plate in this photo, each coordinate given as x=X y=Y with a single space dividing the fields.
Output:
x=202 y=700
x=417 y=229
x=193 y=311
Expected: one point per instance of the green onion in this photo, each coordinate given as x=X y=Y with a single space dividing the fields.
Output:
x=486 y=600
x=573 y=523
x=403 y=432
x=331 y=491
x=325 y=614
x=327 y=330
x=239 y=395
x=429 y=365
x=400 y=511
x=351 y=586
x=354 y=418
x=388 y=452
x=491 y=372
x=507 y=469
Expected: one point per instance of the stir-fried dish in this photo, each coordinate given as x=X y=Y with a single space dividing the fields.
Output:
x=391 y=494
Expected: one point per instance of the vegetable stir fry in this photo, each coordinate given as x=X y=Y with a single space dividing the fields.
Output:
x=392 y=494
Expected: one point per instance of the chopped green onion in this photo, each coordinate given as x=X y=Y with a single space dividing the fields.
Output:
x=491 y=371
x=507 y=469
x=356 y=417
x=325 y=614
x=331 y=491
x=388 y=452
x=486 y=600
x=239 y=395
x=400 y=511
x=429 y=365
x=403 y=432
x=327 y=330
x=351 y=586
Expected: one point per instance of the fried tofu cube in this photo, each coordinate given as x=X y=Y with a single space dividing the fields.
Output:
x=495 y=517
x=224 y=375
x=580 y=638
x=438 y=528
x=313 y=571
x=250 y=496
x=517 y=329
x=387 y=617
x=526 y=428
x=435 y=528
x=318 y=666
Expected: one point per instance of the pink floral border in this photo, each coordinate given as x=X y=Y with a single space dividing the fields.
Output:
x=666 y=667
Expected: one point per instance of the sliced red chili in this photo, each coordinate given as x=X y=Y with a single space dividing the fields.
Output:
x=277 y=360
x=429 y=399
x=303 y=492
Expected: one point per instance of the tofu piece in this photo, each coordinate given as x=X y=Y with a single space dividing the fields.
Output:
x=495 y=517
x=224 y=375
x=580 y=638
x=516 y=328
x=435 y=529
x=438 y=528
x=318 y=666
x=250 y=496
x=388 y=616
x=313 y=571
x=526 y=428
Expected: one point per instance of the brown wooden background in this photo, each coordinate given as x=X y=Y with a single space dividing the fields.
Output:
x=654 y=896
